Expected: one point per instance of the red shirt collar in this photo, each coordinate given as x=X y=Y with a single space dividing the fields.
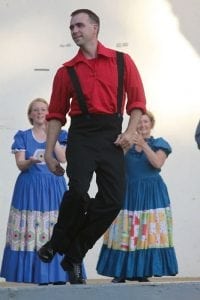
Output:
x=101 y=50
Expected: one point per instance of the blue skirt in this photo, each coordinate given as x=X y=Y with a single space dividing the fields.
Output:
x=33 y=214
x=139 y=242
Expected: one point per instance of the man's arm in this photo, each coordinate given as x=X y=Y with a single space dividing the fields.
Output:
x=54 y=127
x=125 y=140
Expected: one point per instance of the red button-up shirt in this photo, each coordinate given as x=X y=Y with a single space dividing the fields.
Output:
x=99 y=81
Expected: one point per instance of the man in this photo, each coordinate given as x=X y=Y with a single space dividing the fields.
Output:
x=91 y=88
x=197 y=135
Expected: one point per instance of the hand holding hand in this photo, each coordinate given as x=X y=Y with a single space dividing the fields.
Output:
x=124 y=140
x=138 y=140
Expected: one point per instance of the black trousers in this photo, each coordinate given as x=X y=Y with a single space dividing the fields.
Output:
x=90 y=149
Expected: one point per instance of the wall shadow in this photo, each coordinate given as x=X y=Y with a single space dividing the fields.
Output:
x=188 y=14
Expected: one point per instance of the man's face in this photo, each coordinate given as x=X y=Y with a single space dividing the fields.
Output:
x=83 y=29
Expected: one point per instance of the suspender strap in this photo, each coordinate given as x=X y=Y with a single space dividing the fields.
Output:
x=120 y=67
x=78 y=89
x=79 y=92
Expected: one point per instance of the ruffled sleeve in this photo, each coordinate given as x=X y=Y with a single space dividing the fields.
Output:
x=161 y=144
x=19 y=142
x=62 y=139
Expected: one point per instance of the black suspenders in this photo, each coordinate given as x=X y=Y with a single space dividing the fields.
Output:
x=79 y=92
x=120 y=68
x=78 y=89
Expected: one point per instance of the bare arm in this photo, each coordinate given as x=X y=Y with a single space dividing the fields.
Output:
x=156 y=159
x=59 y=151
x=125 y=140
x=54 y=127
x=22 y=163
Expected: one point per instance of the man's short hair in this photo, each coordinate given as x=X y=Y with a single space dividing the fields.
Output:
x=89 y=12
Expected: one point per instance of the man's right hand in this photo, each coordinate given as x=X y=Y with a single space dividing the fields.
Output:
x=54 y=166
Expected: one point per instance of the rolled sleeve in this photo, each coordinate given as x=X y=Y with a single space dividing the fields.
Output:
x=134 y=87
x=60 y=97
x=56 y=116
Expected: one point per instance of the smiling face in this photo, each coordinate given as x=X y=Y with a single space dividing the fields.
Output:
x=37 y=112
x=83 y=29
x=145 y=126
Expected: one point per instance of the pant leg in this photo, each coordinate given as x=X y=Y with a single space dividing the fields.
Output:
x=72 y=213
x=90 y=148
x=106 y=205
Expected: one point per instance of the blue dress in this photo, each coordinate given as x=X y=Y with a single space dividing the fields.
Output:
x=139 y=242
x=33 y=213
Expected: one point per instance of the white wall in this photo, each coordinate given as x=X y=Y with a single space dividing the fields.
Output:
x=163 y=38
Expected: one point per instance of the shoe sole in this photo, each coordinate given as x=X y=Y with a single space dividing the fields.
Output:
x=45 y=260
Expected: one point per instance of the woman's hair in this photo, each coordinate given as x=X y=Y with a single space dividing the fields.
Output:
x=31 y=106
x=151 y=117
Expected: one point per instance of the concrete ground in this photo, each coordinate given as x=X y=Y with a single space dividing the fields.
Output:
x=102 y=289
x=108 y=281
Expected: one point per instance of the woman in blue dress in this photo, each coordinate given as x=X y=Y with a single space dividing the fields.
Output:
x=139 y=242
x=35 y=203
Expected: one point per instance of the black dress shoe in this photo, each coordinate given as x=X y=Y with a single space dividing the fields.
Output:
x=59 y=283
x=74 y=271
x=143 y=279
x=46 y=253
x=118 y=280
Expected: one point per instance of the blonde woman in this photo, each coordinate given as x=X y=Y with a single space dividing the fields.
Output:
x=139 y=243
x=35 y=203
